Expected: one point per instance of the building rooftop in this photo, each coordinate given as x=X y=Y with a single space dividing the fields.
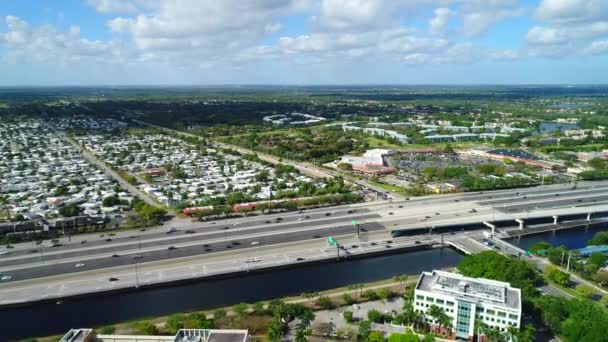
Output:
x=76 y=335
x=471 y=289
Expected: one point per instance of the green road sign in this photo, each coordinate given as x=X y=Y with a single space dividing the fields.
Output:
x=353 y=222
x=332 y=241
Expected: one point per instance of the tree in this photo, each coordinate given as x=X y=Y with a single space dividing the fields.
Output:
x=347 y=298
x=598 y=259
x=69 y=210
x=241 y=309
x=557 y=276
x=527 y=334
x=597 y=163
x=407 y=337
x=600 y=238
x=258 y=308
x=491 y=265
x=219 y=314
x=384 y=294
x=585 y=290
x=324 y=303
x=345 y=166
x=375 y=316
x=539 y=246
x=146 y=328
x=364 y=330
x=375 y=336
x=174 y=323
x=348 y=316
x=300 y=336
x=428 y=338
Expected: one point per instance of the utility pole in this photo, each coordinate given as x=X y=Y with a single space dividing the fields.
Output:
x=568 y=267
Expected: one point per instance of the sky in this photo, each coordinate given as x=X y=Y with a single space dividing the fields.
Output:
x=301 y=42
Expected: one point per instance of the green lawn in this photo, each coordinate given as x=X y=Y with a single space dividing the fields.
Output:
x=391 y=188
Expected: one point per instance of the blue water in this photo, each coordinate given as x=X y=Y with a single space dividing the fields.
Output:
x=572 y=238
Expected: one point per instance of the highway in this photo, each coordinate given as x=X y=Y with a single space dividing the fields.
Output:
x=277 y=234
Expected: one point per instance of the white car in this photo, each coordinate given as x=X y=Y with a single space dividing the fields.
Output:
x=356 y=306
x=6 y=277
x=79 y=265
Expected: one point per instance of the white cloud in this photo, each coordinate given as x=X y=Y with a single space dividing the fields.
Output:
x=597 y=48
x=205 y=25
x=569 y=27
x=479 y=16
x=120 y=6
x=440 y=21
x=45 y=44
x=572 y=11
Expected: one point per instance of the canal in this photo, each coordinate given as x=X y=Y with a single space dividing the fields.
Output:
x=50 y=318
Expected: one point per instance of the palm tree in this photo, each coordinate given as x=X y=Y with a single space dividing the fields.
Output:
x=512 y=334
x=300 y=336
x=527 y=335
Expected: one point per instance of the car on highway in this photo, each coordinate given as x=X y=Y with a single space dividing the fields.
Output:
x=356 y=306
x=171 y=248
x=79 y=265
x=113 y=279
x=189 y=232
x=171 y=230
x=137 y=257
x=6 y=277
x=5 y=253
x=108 y=240
x=142 y=230
x=83 y=241
x=300 y=259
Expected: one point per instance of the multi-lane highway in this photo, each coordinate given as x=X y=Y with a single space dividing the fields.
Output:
x=203 y=243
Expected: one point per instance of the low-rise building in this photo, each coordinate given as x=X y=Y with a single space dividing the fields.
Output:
x=183 y=335
x=467 y=300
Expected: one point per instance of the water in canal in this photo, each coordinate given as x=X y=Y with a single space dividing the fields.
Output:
x=571 y=238
x=50 y=318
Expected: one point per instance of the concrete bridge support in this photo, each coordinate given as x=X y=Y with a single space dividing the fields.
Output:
x=491 y=226
x=555 y=218
x=521 y=222
x=589 y=216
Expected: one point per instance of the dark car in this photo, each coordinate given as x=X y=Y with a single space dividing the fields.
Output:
x=115 y=255
x=171 y=248
x=108 y=240
x=113 y=279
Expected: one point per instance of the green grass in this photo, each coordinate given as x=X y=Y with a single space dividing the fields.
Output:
x=391 y=188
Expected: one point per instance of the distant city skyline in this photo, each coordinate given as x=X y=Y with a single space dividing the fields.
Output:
x=303 y=42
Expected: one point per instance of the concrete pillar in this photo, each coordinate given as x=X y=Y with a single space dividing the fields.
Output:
x=555 y=217
x=493 y=227
x=589 y=216
x=521 y=223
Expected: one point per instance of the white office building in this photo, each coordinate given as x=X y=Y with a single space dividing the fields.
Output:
x=466 y=300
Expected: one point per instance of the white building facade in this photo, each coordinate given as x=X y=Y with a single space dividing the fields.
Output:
x=466 y=300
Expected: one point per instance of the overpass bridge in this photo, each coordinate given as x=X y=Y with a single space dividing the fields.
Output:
x=526 y=222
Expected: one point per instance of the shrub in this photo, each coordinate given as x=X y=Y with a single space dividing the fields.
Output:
x=348 y=316
x=324 y=302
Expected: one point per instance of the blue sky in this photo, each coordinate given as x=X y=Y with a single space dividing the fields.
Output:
x=122 y=42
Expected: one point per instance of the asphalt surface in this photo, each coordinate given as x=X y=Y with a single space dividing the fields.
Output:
x=199 y=239
x=200 y=248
